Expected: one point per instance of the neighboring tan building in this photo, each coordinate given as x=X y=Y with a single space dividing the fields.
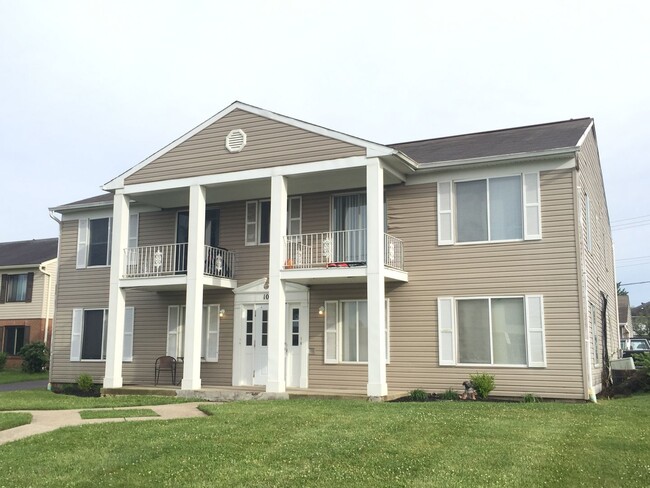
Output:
x=625 y=317
x=27 y=289
x=267 y=251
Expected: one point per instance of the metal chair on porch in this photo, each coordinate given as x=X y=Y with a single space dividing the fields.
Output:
x=165 y=363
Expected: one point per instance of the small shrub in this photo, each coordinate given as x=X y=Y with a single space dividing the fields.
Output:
x=85 y=383
x=483 y=384
x=418 y=396
x=531 y=398
x=36 y=357
x=3 y=360
x=449 y=394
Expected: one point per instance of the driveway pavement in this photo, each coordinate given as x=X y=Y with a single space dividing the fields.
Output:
x=48 y=420
x=24 y=385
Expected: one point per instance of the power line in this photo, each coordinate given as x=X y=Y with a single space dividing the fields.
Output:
x=635 y=283
x=632 y=259
x=631 y=218
x=631 y=225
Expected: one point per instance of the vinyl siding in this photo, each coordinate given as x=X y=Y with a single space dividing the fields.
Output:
x=28 y=310
x=269 y=143
x=599 y=262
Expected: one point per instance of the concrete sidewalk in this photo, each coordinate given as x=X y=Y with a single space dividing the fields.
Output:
x=48 y=420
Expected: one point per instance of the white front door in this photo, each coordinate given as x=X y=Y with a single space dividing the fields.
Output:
x=255 y=344
x=293 y=346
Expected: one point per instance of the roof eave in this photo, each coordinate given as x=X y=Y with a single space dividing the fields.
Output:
x=80 y=206
x=568 y=151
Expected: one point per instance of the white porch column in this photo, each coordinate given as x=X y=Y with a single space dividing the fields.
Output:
x=377 y=386
x=277 y=296
x=194 y=294
x=117 y=295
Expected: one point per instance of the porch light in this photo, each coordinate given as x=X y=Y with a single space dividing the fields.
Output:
x=321 y=310
x=222 y=313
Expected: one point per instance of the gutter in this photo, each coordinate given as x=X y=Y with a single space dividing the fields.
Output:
x=568 y=151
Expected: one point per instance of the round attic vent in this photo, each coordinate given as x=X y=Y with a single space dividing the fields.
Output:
x=235 y=140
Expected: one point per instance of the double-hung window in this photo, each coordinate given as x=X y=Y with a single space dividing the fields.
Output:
x=16 y=287
x=89 y=334
x=346 y=331
x=94 y=240
x=491 y=209
x=504 y=331
x=15 y=337
x=209 y=332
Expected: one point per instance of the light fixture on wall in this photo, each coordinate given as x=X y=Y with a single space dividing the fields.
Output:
x=321 y=310
x=222 y=313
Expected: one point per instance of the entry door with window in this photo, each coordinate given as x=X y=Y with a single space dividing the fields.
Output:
x=182 y=235
x=255 y=344
x=293 y=341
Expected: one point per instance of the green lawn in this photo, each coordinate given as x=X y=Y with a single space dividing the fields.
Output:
x=46 y=400
x=117 y=414
x=351 y=443
x=11 y=420
x=17 y=376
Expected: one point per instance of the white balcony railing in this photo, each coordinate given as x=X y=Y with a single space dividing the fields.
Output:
x=171 y=259
x=337 y=248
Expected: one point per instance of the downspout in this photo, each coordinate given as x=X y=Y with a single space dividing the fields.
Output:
x=41 y=268
x=583 y=303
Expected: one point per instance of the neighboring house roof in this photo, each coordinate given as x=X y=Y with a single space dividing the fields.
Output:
x=21 y=253
x=517 y=140
x=623 y=309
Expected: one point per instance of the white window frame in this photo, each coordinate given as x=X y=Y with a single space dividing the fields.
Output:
x=77 y=334
x=253 y=217
x=447 y=213
x=291 y=203
x=448 y=331
x=338 y=310
x=208 y=311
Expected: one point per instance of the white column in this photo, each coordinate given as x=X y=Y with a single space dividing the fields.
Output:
x=117 y=295
x=194 y=295
x=277 y=297
x=377 y=386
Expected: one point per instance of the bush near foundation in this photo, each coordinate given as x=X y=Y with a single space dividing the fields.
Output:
x=36 y=357
x=483 y=383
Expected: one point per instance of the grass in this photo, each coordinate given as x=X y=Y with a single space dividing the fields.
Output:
x=17 y=376
x=11 y=420
x=351 y=443
x=46 y=400
x=117 y=414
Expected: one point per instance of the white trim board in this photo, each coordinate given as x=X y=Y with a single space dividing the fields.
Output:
x=372 y=149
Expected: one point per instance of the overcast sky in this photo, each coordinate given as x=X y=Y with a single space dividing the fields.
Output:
x=90 y=88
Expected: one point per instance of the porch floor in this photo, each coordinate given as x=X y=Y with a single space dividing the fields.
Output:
x=234 y=393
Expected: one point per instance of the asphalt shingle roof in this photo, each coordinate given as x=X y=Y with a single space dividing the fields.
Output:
x=20 y=253
x=532 y=138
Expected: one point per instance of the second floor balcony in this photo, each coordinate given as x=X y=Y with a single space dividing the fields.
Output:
x=167 y=263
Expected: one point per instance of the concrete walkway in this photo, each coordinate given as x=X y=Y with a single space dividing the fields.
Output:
x=48 y=420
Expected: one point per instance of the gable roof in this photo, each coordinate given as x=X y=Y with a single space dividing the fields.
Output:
x=22 y=253
x=518 y=140
x=103 y=200
x=372 y=148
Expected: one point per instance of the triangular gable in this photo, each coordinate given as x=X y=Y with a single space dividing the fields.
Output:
x=272 y=139
x=259 y=286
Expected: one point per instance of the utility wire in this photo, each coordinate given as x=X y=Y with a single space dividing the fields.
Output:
x=635 y=283
x=632 y=259
x=631 y=218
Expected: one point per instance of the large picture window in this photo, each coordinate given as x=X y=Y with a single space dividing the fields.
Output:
x=502 y=208
x=346 y=331
x=504 y=331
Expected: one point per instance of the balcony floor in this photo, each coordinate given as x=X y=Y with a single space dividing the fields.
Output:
x=174 y=283
x=325 y=276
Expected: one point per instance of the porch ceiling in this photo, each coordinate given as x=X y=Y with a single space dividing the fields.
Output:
x=325 y=181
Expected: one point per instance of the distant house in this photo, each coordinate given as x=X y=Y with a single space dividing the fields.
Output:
x=28 y=272
x=625 y=317
x=265 y=252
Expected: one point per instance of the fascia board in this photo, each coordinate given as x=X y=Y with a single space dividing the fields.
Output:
x=499 y=158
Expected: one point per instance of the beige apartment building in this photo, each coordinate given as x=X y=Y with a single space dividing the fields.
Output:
x=264 y=252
